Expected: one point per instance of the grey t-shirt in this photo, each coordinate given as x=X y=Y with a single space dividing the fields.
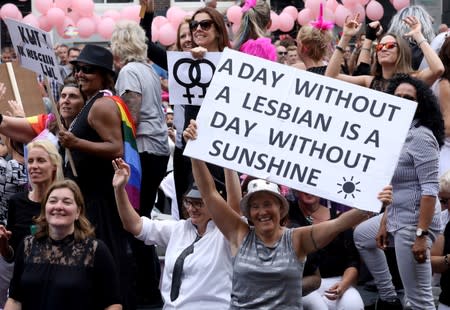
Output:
x=152 y=130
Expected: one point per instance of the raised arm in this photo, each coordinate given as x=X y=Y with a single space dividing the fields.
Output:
x=351 y=27
x=312 y=238
x=435 y=65
x=234 y=191
x=444 y=103
x=228 y=221
x=131 y=220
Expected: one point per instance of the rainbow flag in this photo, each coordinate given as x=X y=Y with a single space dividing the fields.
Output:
x=131 y=155
x=38 y=122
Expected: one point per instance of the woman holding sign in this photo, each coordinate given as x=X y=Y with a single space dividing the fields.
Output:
x=412 y=220
x=268 y=258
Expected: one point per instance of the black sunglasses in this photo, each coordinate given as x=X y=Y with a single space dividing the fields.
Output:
x=204 y=24
x=282 y=53
x=85 y=69
x=407 y=97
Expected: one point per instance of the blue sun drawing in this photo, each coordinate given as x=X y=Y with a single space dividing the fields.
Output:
x=348 y=187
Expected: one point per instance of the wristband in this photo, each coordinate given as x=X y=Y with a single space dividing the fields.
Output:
x=446 y=259
x=340 y=49
x=371 y=33
x=424 y=40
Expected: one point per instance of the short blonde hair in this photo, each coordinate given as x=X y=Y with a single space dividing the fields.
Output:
x=315 y=42
x=128 y=42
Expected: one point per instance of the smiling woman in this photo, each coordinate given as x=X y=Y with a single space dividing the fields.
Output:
x=62 y=254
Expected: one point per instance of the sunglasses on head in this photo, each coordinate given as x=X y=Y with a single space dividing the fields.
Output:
x=388 y=45
x=407 y=97
x=204 y=24
x=85 y=69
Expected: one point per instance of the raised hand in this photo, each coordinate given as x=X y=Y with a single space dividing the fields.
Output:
x=190 y=133
x=414 y=24
x=121 y=173
x=351 y=26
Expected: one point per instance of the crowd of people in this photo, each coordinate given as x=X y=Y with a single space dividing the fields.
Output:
x=74 y=236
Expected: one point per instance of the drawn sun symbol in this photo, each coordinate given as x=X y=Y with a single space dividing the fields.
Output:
x=348 y=187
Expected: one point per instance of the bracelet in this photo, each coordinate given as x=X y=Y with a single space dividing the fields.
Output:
x=424 y=40
x=340 y=49
x=446 y=259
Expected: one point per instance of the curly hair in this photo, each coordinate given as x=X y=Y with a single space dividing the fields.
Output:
x=444 y=55
x=128 y=42
x=428 y=113
x=315 y=42
x=221 y=29
x=82 y=227
x=254 y=23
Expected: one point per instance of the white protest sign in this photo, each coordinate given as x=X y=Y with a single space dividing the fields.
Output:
x=34 y=49
x=316 y=134
x=189 y=78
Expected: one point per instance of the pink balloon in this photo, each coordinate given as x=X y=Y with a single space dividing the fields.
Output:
x=286 y=22
x=113 y=14
x=169 y=35
x=9 y=10
x=314 y=6
x=374 y=10
x=56 y=16
x=32 y=20
x=63 y=4
x=158 y=21
x=234 y=14
x=328 y=15
x=97 y=19
x=332 y=5
x=350 y=4
x=83 y=7
x=177 y=18
x=304 y=17
x=43 y=6
x=131 y=13
x=86 y=27
x=341 y=14
x=275 y=19
x=66 y=30
x=363 y=2
x=105 y=27
x=359 y=9
x=155 y=35
x=44 y=23
x=74 y=15
x=291 y=10
x=400 y=4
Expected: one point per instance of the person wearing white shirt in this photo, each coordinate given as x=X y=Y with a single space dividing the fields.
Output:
x=206 y=270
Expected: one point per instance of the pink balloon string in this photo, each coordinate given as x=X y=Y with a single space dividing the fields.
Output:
x=320 y=23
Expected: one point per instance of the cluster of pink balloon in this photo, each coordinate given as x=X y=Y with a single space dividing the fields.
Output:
x=72 y=18
x=168 y=25
x=333 y=11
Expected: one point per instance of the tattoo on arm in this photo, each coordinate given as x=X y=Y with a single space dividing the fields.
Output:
x=133 y=101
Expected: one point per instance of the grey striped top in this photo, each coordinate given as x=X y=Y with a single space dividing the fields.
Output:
x=267 y=277
x=416 y=175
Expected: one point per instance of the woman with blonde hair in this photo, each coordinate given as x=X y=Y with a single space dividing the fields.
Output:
x=63 y=266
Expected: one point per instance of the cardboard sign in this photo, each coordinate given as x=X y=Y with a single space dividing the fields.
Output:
x=316 y=134
x=28 y=87
x=34 y=49
x=189 y=78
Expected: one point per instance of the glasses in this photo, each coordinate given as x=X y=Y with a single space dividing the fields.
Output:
x=407 y=97
x=85 y=69
x=204 y=24
x=196 y=204
x=387 y=45
x=282 y=53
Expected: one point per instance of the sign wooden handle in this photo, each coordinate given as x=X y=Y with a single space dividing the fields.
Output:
x=15 y=87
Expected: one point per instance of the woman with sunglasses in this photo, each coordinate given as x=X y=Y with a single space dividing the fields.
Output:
x=393 y=56
x=197 y=272
x=411 y=221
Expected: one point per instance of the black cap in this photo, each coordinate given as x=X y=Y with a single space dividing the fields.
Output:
x=97 y=56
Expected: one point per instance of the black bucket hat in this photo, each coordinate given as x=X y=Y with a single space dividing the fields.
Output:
x=97 y=56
